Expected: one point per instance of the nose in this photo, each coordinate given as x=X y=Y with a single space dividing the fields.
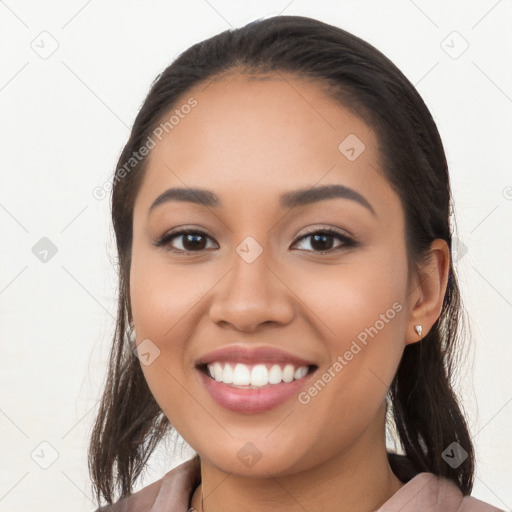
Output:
x=252 y=294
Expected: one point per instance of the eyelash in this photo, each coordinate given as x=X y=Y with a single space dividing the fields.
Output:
x=347 y=241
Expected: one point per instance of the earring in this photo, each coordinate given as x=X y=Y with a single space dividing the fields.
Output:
x=418 y=330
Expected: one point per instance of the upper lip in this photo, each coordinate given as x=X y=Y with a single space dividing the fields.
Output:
x=245 y=355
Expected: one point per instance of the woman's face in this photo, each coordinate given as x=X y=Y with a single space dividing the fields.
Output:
x=253 y=278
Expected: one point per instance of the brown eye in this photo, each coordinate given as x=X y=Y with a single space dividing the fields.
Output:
x=322 y=240
x=187 y=241
x=193 y=241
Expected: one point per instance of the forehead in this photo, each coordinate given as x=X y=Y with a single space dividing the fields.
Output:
x=250 y=140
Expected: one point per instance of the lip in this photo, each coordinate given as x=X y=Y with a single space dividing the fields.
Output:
x=245 y=355
x=256 y=399
x=253 y=400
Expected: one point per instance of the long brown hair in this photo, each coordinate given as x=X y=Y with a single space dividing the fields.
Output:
x=428 y=418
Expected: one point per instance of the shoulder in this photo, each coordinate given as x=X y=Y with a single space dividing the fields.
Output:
x=448 y=491
x=172 y=491
x=430 y=493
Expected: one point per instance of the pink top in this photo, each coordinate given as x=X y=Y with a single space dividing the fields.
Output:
x=424 y=492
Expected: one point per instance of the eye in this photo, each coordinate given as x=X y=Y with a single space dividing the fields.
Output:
x=321 y=240
x=191 y=241
x=197 y=240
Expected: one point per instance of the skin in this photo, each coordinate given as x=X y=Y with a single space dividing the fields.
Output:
x=249 y=141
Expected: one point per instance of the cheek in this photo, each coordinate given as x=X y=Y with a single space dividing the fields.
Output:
x=162 y=294
x=359 y=311
x=161 y=298
x=346 y=298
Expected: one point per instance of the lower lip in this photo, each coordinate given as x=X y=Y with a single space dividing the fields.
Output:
x=252 y=400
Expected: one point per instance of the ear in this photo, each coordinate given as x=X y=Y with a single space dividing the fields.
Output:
x=428 y=290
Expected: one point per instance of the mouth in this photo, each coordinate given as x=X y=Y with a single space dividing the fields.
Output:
x=255 y=376
x=253 y=380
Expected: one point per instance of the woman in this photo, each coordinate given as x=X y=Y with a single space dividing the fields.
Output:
x=281 y=212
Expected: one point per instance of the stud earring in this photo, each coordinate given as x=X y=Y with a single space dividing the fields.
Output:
x=418 y=330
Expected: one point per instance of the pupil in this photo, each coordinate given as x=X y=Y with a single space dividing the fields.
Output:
x=194 y=242
x=322 y=239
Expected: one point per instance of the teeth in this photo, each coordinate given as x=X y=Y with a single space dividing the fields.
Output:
x=227 y=376
x=218 y=372
x=300 y=372
x=275 y=375
x=241 y=375
x=258 y=375
x=288 y=373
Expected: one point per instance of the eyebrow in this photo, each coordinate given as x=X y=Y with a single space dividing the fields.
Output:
x=295 y=198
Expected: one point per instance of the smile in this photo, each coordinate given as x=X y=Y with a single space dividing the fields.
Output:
x=245 y=376
x=253 y=379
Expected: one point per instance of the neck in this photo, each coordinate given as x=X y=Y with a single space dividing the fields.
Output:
x=359 y=479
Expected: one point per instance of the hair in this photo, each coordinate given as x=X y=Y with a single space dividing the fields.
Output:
x=428 y=418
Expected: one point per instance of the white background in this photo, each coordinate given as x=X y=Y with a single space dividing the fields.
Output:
x=64 y=121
